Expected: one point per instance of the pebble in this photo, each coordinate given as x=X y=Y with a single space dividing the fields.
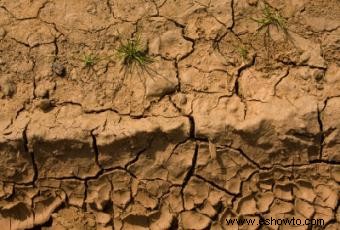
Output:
x=319 y=75
x=59 y=69
x=45 y=105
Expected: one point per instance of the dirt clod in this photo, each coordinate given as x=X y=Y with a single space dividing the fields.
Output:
x=59 y=69
x=7 y=86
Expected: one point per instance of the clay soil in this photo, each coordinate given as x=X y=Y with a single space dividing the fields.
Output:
x=227 y=121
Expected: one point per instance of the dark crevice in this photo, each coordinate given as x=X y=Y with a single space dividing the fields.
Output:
x=280 y=80
x=192 y=127
x=85 y=195
x=31 y=153
x=193 y=42
x=22 y=43
x=322 y=134
x=108 y=4
x=55 y=42
x=237 y=88
x=33 y=79
x=175 y=105
x=192 y=168
x=191 y=171
x=175 y=148
x=215 y=185
x=202 y=139
x=23 y=108
x=47 y=224
x=247 y=65
x=320 y=161
x=95 y=149
x=245 y=110
x=239 y=72
x=65 y=103
x=174 y=224
x=247 y=157
x=177 y=76
x=291 y=63
x=138 y=154
x=72 y=178
x=175 y=22
x=110 y=170
x=232 y=15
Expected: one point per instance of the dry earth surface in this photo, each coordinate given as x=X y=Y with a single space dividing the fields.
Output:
x=226 y=122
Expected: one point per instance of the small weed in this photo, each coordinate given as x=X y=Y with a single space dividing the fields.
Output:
x=132 y=53
x=243 y=51
x=271 y=17
x=90 y=60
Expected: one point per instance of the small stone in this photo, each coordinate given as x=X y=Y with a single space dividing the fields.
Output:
x=59 y=69
x=318 y=75
x=45 y=105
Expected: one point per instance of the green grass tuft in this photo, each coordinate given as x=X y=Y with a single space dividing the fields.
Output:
x=271 y=17
x=132 y=53
x=90 y=60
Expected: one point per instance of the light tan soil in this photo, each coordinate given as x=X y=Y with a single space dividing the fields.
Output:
x=202 y=134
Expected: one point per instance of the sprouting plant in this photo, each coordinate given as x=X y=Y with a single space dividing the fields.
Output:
x=90 y=60
x=243 y=51
x=271 y=17
x=131 y=53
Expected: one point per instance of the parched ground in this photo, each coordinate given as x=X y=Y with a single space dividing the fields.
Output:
x=226 y=122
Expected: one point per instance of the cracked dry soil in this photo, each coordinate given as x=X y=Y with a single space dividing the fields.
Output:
x=208 y=133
